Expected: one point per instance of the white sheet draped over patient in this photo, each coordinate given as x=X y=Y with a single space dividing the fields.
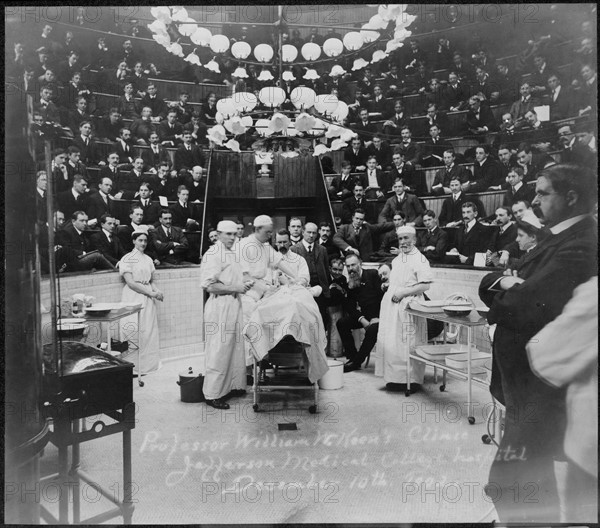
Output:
x=290 y=310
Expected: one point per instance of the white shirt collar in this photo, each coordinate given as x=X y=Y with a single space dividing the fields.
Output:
x=565 y=224
x=471 y=224
x=306 y=244
x=75 y=193
x=518 y=186
x=107 y=234
x=505 y=227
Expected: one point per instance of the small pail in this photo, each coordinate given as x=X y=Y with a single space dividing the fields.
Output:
x=334 y=377
x=190 y=386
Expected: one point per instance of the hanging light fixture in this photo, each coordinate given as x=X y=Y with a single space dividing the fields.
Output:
x=311 y=51
x=213 y=66
x=193 y=58
x=201 y=37
x=263 y=53
x=288 y=53
x=188 y=28
x=303 y=97
x=288 y=76
x=311 y=75
x=244 y=101
x=219 y=43
x=265 y=75
x=272 y=96
x=333 y=47
x=353 y=40
x=359 y=64
x=241 y=50
x=226 y=106
x=326 y=103
x=240 y=73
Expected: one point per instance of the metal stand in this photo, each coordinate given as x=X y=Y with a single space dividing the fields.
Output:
x=67 y=432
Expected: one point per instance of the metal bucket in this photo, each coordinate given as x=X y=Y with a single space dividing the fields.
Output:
x=190 y=386
x=334 y=377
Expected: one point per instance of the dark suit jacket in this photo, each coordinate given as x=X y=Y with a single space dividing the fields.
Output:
x=68 y=205
x=412 y=152
x=438 y=239
x=365 y=300
x=525 y=192
x=166 y=188
x=478 y=240
x=563 y=106
x=318 y=265
x=90 y=153
x=452 y=210
x=350 y=205
x=383 y=155
x=166 y=133
x=124 y=233
x=151 y=211
x=129 y=183
x=181 y=214
x=151 y=160
x=443 y=177
x=502 y=240
x=552 y=270
x=163 y=245
x=485 y=175
x=96 y=206
x=69 y=238
x=410 y=206
x=197 y=192
x=124 y=152
x=141 y=129
x=344 y=186
x=186 y=159
x=518 y=109
x=346 y=236
x=331 y=248
x=128 y=109
x=486 y=119
x=413 y=179
x=112 y=251
x=356 y=159
x=382 y=181
x=159 y=107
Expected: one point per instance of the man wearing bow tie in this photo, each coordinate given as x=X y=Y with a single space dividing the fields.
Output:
x=127 y=106
x=364 y=128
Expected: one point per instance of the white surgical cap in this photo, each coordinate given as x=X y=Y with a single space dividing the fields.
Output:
x=406 y=230
x=226 y=226
x=262 y=220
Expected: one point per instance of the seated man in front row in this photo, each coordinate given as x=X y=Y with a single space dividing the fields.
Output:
x=357 y=237
x=472 y=238
x=362 y=306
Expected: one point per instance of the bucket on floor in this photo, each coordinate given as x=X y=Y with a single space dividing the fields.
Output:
x=334 y=377
x=190 y=386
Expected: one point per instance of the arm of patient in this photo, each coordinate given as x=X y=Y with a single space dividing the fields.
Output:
x=218 y=288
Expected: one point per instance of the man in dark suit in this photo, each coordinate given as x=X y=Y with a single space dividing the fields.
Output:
x=521 y=304
x=155 y=153
x=451 y=171
x=357 y=237
x=326 y=240
x=456 y=95
x=106 y=241
x=74 y=165
x=45 y=107
x=585 y=149
x=559 y=98
x=318 y=266
x=364 y=128
x=376 y=180
x=109 y=127
x=451 y=213
x=526 y=162
x=80 y=255
x=378 y=104
x=505 y=236
x=196 y=184
x=395 y=121
x=432 y=152
x=99 y=203
x=432 y=241
x=78 y=114
x=414 y=181
x=518 y=191
x=111 y=168
x=480 y=119
x=357 y=201
x=188 y=155
x=165 y=182
x=487 y=174
x=75 y=199
x=409 y=204
x=410 y=150
x=90 y=154
x=124 y=232
x=472 y=238
x=128 y=184
x=382 y=153
x=356 y=154
x=362 y=307
x=41 y=197
x=170 y=131
x=142 y=127
x=182 y=212
x=124 y=149
x=169 y=241
x=389 y=243
x=522 y=105
x=342 y=186
x=155 y=103
x=151 y=208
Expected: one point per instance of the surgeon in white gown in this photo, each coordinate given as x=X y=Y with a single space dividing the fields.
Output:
x=399 y=332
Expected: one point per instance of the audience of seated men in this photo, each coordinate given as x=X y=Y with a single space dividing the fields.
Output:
x=409 y=204
x=79 y=253
x=480 y=120
x=357 y=237
x=432 y=241
x=106 y=240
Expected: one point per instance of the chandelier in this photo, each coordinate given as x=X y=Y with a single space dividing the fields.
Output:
x=316 y=116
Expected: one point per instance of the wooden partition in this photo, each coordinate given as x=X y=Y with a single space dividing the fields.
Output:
x=295 y=177
x=233 y=174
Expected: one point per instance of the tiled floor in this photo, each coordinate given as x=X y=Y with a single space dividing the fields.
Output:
x=367 y=456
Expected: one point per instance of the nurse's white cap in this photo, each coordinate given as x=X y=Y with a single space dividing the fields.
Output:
x=226 y=226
